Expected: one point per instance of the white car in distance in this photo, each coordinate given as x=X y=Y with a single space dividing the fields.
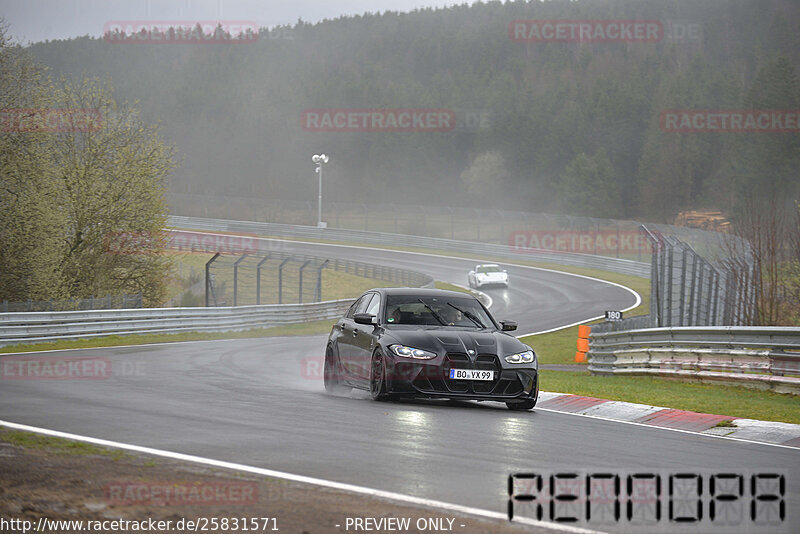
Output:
x=488 y=274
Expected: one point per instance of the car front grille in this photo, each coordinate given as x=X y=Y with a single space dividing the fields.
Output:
x=502 y=385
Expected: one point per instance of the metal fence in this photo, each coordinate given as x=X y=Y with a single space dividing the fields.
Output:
x=279 y=278
x=762 y=357
x=49 y=326
x=688 y=289
x=109 y=302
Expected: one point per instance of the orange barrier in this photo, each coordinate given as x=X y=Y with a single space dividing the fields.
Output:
x=583 y=342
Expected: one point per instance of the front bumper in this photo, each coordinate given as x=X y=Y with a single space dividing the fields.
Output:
x=430 y=379
x=491 y=283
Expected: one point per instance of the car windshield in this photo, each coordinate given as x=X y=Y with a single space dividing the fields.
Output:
x=436 y=311
x=485 y=269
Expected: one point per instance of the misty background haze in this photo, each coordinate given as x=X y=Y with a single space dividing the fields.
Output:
x=555 y=127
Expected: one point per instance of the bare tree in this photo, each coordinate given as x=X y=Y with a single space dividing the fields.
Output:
x=760 y=261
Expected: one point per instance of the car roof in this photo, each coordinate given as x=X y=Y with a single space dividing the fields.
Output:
x=420 y=292
x=488 y=265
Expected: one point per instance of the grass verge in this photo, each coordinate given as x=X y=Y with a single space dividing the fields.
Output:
x=557 y=347
x=705 y=398
x=30 y=440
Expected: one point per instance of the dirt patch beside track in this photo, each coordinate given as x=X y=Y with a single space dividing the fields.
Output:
x=50 y=479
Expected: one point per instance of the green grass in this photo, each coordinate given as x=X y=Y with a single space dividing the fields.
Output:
x=725 y=423
x=338 y=285
x=450 y=287
x=559 y=347
x=705 y=398
x=29 y=440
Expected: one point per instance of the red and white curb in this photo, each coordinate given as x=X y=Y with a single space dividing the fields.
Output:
x=785 y=434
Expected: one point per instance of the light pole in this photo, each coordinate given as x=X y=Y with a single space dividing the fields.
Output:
x=319 y=159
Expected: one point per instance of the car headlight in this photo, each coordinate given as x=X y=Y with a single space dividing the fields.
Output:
x=411 y=352
x=521 y=357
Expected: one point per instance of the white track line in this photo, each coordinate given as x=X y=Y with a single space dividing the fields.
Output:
x=487 y=514
x=602 y=418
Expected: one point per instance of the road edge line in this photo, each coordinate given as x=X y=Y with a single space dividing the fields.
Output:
x=352 y=488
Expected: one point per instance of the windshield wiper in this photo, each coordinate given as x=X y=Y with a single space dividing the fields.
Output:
x=433 y=312
x=469 y=315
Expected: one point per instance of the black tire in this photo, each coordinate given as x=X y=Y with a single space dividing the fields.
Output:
x=521 y=406
x=331 y=376
x=377 y=377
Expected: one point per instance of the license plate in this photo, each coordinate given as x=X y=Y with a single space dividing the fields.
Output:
x=471 y=374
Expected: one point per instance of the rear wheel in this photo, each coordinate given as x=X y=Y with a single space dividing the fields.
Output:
x=331 y=376
x=377 y=377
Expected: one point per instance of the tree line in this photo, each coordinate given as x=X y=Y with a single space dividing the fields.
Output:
x=572 y=127
x=80 y=172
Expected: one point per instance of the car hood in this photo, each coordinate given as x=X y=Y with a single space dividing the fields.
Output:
x=441 y=340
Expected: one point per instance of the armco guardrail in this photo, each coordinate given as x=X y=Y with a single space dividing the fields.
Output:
x=605 y=263
x=31 y=327
x=752 y=356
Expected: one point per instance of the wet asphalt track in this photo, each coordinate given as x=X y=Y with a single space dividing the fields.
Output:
x=261 y=402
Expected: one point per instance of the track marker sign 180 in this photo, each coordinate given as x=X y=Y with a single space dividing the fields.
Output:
x=613 y=315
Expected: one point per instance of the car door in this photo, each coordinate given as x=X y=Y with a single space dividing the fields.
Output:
x=364 y=339
x=349 y=332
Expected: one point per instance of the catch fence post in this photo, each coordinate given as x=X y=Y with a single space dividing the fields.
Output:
x=258 y=278
x=682 y=306
x=668 y=284
x=300 y=284
x=280 y=279
x=236 y=278
x=318 y=296
x=208 y=278
x=692 y=290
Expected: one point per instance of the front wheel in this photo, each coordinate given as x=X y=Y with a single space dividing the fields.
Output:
x=333 y=381
x=377 y=377
x=521 y=406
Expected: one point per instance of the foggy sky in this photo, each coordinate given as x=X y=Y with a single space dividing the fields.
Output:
x=38 y=20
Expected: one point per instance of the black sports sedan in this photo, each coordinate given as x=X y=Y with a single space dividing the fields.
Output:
x=401 y=342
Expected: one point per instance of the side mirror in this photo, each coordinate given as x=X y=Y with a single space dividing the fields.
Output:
x=508 y=326
x=366 y=318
